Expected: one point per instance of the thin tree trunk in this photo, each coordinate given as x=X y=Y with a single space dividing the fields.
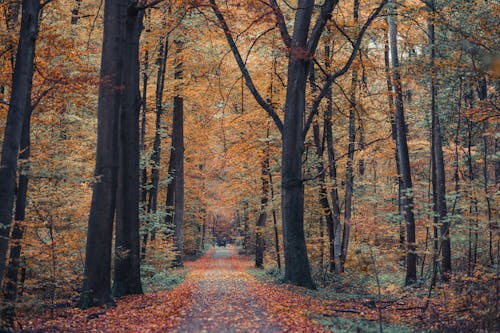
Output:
x=142 y=139
x=178 y=146
x=96 y=288
x=260 y=243
x=349 y=187
x=390 y=100
x=439 y=183
x=127 y=279
x=402 y=151
x=20 y=96
x=334 y=231
x=156 y=156
x=75 y=12
x=275 y=223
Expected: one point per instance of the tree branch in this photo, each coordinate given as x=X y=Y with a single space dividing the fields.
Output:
x=324 y=16
x=280 y=21
x=241 y=64
x=343 y=70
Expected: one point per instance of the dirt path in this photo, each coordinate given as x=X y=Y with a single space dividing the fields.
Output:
x=223 y=300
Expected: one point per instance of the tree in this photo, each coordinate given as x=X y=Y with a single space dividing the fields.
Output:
x=402 y=151
x=20 y=99
x=302 y=46
x=127 y=279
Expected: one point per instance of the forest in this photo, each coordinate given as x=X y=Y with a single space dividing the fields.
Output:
x=249 y=166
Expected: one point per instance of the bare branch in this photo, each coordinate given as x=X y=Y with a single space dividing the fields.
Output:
x=241 y=64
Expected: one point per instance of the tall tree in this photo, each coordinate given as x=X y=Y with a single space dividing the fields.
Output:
x=126 y=271
x=349 y=181
x=20 y=96
x=12 y=271
x=178 y=150
x=97 y=276
x=402 y=151
x=438 y=177
x=302 y=47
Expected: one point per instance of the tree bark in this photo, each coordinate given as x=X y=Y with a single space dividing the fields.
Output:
x=96 y=288
x=403 y=155
x=127 y=279
x=22 y=80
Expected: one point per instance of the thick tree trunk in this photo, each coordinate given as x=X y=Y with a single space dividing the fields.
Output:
x=403 y=155
x=297 y=269
x=22 y=80
x=11 y=276
x=127 y=279
x=96 y=288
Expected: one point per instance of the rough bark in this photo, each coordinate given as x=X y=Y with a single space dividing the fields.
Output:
x=20 y=96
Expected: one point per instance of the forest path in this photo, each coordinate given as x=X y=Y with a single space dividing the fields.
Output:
x=218 y=295
x=223 y=300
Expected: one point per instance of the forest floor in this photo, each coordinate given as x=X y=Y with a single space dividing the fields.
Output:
x=220 y=295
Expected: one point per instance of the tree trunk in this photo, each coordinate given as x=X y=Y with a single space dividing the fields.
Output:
x=334 y=231
x=75 y=12
x=127 y=277
x=260 y=244
x=96 y=288
x=323 y=194
x=403 y=155
x=178 y=146
x=22 y=80
x=349 y=184
x=390 y=100
x=275 y=223
x=156 y=156
x=12 y=273
x=297 y=269
x=439 y=184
